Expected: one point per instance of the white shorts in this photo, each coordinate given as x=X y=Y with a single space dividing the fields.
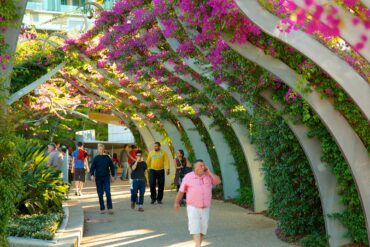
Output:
x=198 y=220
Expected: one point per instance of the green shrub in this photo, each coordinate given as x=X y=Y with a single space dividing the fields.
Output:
x=352 y=216
x=245 y=195
x=10 y=181
x=314 y=240
x=44 y=188
x=40 y=226
x=294 y=197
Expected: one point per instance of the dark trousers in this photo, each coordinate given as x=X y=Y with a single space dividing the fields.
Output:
x=70 y=176
x=156 y=178
x=138 y=185
x=103 y=185
x=178 y=188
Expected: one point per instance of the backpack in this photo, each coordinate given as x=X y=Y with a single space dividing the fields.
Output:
x=185 y=170
x=81 y=155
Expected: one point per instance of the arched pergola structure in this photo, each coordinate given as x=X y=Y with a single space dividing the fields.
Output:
x=196 y=72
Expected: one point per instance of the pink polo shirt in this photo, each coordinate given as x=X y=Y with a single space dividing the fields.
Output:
x=198 y=189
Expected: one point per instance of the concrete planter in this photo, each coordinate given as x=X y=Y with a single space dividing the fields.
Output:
x=69 y=233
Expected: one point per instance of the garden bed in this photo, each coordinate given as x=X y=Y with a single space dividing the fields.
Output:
x=37 y=226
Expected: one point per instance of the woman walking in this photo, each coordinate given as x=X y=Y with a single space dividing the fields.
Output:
x=183 y=166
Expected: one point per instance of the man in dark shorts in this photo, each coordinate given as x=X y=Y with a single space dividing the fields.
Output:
x=138 y=170
x=79 y=156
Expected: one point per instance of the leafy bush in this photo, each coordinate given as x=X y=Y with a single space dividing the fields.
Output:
x=294 y=197
x=245 y=195
x=33 y=61
x=10 y=181
x=44 y=189
x=314 y=240
x=352 y=217
x=40 y=226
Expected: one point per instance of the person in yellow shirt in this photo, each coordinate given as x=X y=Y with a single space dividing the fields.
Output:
x=157 y=160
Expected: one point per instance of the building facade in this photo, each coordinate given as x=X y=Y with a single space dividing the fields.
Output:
x=61 y=15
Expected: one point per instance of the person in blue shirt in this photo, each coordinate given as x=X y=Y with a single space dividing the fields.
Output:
x=78 y=168
x=102 y=171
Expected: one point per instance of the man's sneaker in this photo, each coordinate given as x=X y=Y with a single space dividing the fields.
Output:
x=159 y=202
x=76 y=194
x=141 y=210
x=132 y=205
x=102 y=211
x=110 y=211
x=152 y=202
x=80 y=193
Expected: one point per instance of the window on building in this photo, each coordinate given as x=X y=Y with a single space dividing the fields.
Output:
x=76 y=2
x=35 y=17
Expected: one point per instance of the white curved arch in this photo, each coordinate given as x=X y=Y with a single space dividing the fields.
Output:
x=351 y=33
x=355 y=86
x=170 y=128
x=326 y=181
x=260 y=194
x=350 y=144
x=143 y=130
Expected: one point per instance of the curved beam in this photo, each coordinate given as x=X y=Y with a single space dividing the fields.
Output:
x=170 y=128
x=260 y=194
x=351 y=33
x=198 y=145
x=143 y=130
x=355 y=86
x=228 y=169
x=325 y=179
x=366 y=3
x=350 y=144
x=157 y=137
x=175 y=136
x=27 y=89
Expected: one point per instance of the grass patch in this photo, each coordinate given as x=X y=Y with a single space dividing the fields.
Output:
x=39 y=226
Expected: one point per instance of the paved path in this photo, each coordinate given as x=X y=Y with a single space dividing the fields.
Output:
x=160 y=225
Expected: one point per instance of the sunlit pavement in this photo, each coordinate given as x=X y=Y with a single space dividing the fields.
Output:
x=161 y=225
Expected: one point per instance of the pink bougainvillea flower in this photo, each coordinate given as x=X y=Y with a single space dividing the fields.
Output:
x=290 y=5
x=350 y=3
x=308 y=2
x=355 y=21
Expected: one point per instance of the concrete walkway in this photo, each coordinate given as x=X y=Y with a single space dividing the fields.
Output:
x=160 y=225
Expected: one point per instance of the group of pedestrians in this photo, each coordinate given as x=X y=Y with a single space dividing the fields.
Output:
x=194 y=186
x=72 y=164
x=197 y=184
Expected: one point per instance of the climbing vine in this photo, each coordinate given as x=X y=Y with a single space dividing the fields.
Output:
x=294 y=197
x=352 y=216
x=185 y=139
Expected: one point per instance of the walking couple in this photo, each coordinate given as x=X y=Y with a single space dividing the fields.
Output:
x=156 y=162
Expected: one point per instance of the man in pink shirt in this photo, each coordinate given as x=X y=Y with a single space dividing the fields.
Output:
x=198 y=188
